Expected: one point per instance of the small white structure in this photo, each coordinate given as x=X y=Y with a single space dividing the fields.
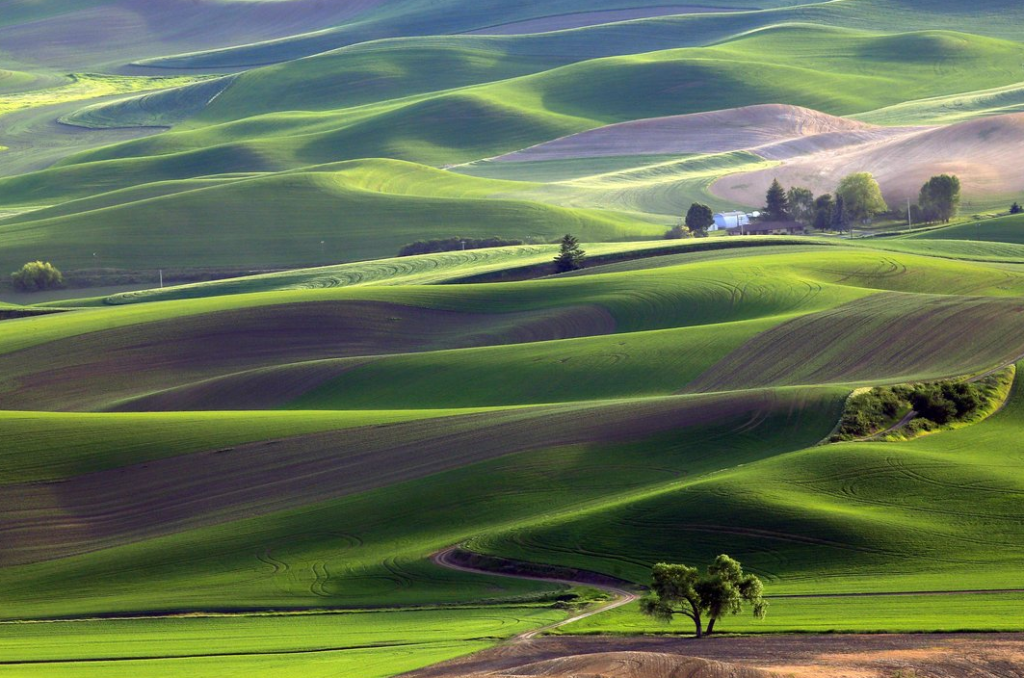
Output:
x=724 y=220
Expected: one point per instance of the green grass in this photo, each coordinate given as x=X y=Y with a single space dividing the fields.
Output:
x=44 y=446
x=967 y=249
x=854 y=72
x=458 y=266
x=1007 y=229
x=325 y=429
x=85 y=86
x=888 y=614
x=354 y=211
x=372 y=644
x=936 y=513
x=375 y=554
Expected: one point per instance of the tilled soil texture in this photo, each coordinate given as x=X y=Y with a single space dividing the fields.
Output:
x=985 y=153
x=42 y=521
x=998 y=655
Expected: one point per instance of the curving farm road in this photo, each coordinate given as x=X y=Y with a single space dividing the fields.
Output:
x=620 y=596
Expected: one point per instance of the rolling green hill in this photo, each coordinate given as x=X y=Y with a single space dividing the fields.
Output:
x=252 y=474
x=350 y=212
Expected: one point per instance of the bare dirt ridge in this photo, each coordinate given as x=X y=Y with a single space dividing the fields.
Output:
x=773 y=131
x=986 y=155
x=996 y=655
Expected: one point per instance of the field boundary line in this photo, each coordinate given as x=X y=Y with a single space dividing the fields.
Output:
x=621 y=596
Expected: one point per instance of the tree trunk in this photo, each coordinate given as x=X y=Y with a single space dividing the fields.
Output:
x=711 y=627
x=698 y=624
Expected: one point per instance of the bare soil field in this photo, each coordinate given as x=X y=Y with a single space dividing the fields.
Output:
x=986 y=154
x=774 y=131
x=998 y=655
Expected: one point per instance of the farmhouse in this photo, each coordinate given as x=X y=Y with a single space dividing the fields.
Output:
x=768 y=228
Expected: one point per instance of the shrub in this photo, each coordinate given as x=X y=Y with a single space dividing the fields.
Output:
x=37 y=275
x=678 y=232
x=1015 y=208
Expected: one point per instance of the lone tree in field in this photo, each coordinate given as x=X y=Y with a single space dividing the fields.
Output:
x=862 y=198
x=776 y=203
x=36 y=276
x=1015 y=208
x=724 y=589
x=570 y=256
x=940 y=198
x=699 y=219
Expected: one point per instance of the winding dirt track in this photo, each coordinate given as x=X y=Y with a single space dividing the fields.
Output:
x=620 y=596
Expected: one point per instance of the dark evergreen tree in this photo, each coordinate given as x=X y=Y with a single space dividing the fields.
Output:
x=777 y=207
x=823 y=207
x=570 y=256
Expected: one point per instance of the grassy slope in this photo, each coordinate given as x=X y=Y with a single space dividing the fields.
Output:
x=936 y=513
x=1009 y=229
x=997 y=20
x=853 y=72
x=375 y=554
x=857 y=71
x=361 y=212
x=359 y=549
x=702 y=305
x=368 y=644
x=431 y=269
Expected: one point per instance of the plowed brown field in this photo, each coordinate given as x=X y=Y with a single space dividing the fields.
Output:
x=833 y=656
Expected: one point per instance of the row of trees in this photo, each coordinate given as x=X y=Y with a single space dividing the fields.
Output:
x=857 y=199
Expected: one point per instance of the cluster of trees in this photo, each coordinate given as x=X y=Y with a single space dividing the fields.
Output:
x=858 y=198
x=723 y=589
x=1015 y=208
x=453 y=244
x=934 y=404
x=36 y=276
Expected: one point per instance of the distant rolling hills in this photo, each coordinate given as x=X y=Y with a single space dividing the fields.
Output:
x=250 y=473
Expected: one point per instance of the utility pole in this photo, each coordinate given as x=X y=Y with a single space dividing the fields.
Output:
x=161 y=278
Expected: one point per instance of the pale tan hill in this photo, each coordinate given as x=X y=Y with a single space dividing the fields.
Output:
x=626 y=665
x=987 y=155
x=775 y=131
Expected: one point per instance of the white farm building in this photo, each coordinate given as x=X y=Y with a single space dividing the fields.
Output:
x=724 y=220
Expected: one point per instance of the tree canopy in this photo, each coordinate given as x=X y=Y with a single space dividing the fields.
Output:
x=570 y=256
x=801 y=205
x=776 y=203
x=699 y=218
x=723 y=589
x=940 y=198
x=862 y=198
